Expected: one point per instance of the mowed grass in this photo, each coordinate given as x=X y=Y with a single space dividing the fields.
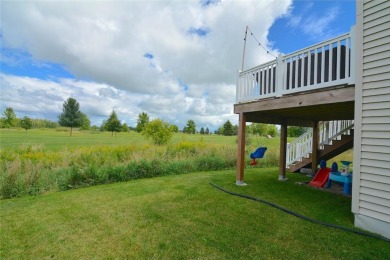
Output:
x=184 y=217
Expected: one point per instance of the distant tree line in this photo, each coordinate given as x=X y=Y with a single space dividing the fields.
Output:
x=158 y=131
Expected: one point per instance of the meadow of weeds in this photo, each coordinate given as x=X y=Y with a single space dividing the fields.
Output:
x=43 y=161
x=47 y=160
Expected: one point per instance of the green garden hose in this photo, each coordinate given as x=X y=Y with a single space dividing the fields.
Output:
x=302 y=216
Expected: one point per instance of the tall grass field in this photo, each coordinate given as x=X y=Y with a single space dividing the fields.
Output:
x=41 y=161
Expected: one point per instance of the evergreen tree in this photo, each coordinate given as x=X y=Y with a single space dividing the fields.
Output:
x=113 y=124
x=143 y=119
x=71 y=115
x=207 y=132
x=228 y=129
x=202 y=131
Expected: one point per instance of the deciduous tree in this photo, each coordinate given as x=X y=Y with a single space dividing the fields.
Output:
x=159 y=131
x=26 y=123
x=190 y=128
x=9 y=117
x=85 y=122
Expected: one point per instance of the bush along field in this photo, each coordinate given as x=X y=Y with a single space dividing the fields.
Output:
x=30 y=164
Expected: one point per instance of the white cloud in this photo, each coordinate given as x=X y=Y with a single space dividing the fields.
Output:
x=315 y=25
x=185 y=76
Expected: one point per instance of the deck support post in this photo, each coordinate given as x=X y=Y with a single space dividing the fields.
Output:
x=283 y=152
x=241 y=150
x=314 y=153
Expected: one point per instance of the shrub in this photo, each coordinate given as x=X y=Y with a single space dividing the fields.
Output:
x=159 y=131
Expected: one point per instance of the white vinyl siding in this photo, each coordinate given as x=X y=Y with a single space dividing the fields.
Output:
x=374 y=151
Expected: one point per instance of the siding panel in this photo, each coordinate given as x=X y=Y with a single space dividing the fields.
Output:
x=376 y=178
x=375 y=214
x=376 y=91
x=378 y=77
x=375 y=207
x=377 y=70
x=375 y=149
x=374 y=9
x=376 y=84
x=384 y=47
x=377 y=28
x=376 y=163
x=376 y=22
x=372 y=40
x=376 y=63
x=377 y=99
x=376 y=200
x=374 y=171
x=375 y=16
x=375 y=192
x=376 y=56
x=378 y=120
x=382 y=105
x=375 y=127
x=369 y=4
x=375 y=185
x=376 y=141
x=376 y=134
x=375 y=156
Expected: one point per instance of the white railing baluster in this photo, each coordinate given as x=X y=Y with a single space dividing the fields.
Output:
x=258 y=82
x=322 y=64
x=296 y=72
x=302 y=70
x=315 y=67
x=308 y=68
x=290 y=74
x=338 y=66
x=330 y=60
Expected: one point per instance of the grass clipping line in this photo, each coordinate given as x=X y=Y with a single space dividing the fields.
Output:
x=302 y=216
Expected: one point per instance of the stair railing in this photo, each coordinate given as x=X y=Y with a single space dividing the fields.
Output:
x=332 y=130
x=328 y=131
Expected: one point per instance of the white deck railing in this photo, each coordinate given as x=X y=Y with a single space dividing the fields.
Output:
x=326 y=64
x=328 y=131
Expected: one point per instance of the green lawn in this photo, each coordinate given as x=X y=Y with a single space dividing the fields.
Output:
x=183 y=217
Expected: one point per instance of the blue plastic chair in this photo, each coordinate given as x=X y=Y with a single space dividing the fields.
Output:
x=259 y=153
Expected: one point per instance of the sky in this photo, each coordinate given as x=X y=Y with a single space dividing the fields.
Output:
x=175 y=60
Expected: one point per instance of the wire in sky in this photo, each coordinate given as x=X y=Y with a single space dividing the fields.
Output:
x=261 y=45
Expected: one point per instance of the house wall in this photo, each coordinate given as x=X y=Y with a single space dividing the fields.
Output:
x=371 y=172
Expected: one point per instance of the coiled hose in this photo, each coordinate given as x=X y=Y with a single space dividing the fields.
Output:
x=302 y=216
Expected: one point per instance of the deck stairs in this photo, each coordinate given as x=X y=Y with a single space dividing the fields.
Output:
x=335 y=137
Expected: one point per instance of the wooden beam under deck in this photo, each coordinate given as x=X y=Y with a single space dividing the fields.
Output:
x=241 y=150
x=302 y=109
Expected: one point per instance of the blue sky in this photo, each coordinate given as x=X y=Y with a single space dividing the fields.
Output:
x=174 y=60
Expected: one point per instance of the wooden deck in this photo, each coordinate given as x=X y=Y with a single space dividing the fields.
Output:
x=302 y=109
